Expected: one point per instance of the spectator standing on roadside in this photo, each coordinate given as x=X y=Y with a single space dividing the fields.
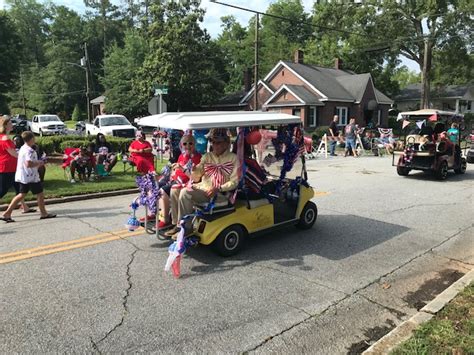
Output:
x=8 y=162
x=28 y=178
x=350 y=132
x=333 y=135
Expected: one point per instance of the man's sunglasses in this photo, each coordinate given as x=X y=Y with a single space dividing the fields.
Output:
x=188 y=143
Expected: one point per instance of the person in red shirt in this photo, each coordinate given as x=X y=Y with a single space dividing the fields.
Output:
x=179 y=179
x=8 y=162
x=141 y=154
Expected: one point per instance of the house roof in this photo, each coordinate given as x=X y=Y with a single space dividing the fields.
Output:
x=354 y=84
x=98 y=100
x=232 y=99
x=304 y=94
x=413 y=92
x=323 y=79
x=337 y=84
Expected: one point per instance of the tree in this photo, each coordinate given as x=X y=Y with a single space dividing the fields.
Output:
x=414 y=29
x=237 y=52
x=30 y=18
x=404 y=77
x=9 y=65
x=417 y=29
x=341 y=30
x=121 y=66
x=77 y=113
x=280 y=38
x=181 y=56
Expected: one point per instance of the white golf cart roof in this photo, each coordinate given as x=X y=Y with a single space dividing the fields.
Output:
x=216 y=119
x=427 y=112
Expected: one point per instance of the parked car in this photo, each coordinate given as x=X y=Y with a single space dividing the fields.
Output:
x=80 y=126
x=111 y=125
x=46 y=125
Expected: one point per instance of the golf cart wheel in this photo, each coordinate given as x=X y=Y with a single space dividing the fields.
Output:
x=308 y=216
x=402 y=171
x=462 y=167
x=230 y=241
x=442 y=172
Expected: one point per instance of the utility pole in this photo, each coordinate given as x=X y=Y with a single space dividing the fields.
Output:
x=255 y=91
x=425 y=75
x=22 y=92
x=86 y=61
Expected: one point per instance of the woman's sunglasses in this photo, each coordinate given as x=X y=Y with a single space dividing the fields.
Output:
x=188 y=143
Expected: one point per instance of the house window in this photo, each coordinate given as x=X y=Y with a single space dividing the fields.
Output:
x=342 y=113
x=379 y=117
x=297 y=112
x=312 y=116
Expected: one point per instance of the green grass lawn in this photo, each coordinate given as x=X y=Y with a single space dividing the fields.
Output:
x=70 y=124
x=56 y=185
x=451 y=331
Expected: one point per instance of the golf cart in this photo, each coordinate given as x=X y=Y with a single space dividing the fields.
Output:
x=427 y=144
x=227 y=226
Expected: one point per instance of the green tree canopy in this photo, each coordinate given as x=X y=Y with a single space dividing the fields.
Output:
x=181 y=56
x=120 y=67
x=9 y=65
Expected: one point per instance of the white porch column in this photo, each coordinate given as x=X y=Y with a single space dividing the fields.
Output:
x=457 y=105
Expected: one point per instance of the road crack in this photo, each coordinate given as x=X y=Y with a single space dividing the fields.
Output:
x=95 y=345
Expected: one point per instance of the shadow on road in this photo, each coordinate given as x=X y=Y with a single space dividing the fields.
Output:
x=333 y=237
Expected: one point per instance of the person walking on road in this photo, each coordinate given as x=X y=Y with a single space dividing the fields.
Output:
x=350 y=132
x=28 y=178
x=333 y=135
x=8 y=162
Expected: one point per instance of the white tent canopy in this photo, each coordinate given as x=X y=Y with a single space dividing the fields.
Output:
x=216 y=119
x=426 y=112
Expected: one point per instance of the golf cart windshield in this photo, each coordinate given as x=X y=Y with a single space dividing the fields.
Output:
x=114 y=121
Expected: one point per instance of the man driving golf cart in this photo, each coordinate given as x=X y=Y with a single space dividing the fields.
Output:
x=217 y=172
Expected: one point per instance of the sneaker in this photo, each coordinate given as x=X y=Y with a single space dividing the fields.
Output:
x=172 y=232
x=149 y=218
x=163 y=224
x=73 y=181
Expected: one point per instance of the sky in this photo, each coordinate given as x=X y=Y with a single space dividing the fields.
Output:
x=214 y=12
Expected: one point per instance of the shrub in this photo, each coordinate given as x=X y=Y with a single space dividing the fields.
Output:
x=72 y=144
x=319 y=132
x=76 y=114
x=46 y=144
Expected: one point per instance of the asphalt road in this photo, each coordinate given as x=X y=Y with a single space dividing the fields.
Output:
x=382 y=247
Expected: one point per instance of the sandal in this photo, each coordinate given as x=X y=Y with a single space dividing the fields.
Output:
x=31 y=210
x=48 y=216
x=7 y=219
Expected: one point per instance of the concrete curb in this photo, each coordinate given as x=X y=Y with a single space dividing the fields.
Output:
x=405 y=330
x=65 y=199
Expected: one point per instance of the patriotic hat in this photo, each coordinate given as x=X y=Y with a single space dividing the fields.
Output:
x=218 y=134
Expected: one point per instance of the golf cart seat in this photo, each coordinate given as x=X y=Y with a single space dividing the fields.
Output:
x=219 y=208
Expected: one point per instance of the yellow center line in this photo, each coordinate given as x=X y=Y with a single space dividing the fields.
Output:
x=65 y=246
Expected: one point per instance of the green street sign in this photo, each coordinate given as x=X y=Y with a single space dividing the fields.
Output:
x=160 y=89
x=163 y=91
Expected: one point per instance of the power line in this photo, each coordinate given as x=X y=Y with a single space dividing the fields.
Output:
x=290 y=20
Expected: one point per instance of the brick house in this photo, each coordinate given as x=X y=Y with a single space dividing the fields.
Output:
x=315 y=94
